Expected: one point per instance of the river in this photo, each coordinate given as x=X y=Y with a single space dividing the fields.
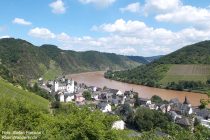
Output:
x=97 y=79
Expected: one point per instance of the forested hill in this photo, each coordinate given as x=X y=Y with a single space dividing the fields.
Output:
x=20 y=59
x=198 y=53
x=144 y=60
x=186 y=68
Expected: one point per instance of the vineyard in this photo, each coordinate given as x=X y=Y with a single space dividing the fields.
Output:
x=187 y=72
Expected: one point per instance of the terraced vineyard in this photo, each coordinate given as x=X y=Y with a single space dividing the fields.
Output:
x=187 y=72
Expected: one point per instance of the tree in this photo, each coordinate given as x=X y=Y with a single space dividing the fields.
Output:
x=156 y=99
x=146 y=119
x=203 y=104
x=208 y=81
x=87 y=95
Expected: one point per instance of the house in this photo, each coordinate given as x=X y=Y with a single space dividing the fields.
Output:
x=114 y=91
x=104 y=107
x=174 y=115
x=118 y=125
x=92 y=88
x=61 y=96
x=49 y=83
x=117 y=99
x=183 y=109
x=174 y=101
x=129 y=101
x=130 y=94
x=186 y=122
x=68 y=97
x=40 y=81
x=152 y=106
x=63 y=85
x=79 y=99
x=95 y=95
x=165 y=108
x=65 y=96
x=144 y=101
x=203 y=115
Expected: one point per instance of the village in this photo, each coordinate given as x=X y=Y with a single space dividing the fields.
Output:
x=110 y=100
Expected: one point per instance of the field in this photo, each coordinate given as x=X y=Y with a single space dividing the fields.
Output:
x=7 y=90
x=187 y=72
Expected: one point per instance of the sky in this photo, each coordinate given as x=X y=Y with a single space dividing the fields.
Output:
x=127 y=27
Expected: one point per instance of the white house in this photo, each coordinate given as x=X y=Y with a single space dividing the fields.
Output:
x=105 y=107
x=68 y=97
x=93 y=88
x=61 y=97
x=70 y=87
x=144 y=101
x=95 y=95
x=67 y=85
x=118 y=125
x=114 y=91
x=119 y=92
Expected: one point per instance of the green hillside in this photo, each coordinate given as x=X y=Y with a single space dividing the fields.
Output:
x=189 y=72
x=188 y=66
x=23 y=111
x=8 y=91
x=22 y=61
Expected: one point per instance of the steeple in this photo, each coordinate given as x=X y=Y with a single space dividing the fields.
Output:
x=186 y=101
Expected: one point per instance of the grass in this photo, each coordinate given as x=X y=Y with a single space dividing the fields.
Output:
x=7 y=90
x=187 y=72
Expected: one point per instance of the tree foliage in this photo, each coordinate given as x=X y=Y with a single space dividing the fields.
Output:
x=87 y=95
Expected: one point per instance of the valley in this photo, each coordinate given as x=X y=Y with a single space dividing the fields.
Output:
x=186 y=69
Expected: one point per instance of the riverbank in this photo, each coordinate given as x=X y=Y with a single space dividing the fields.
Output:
x=97 y=79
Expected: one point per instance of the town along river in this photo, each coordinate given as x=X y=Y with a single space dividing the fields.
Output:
x=97 y=79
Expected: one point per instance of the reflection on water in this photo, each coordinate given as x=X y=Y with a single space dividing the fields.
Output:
x=97 y=79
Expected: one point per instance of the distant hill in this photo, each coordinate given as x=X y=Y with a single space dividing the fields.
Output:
x=144 y=60
x=153 y=58
x=20 y=59
x=190 y=63
x=139 y=59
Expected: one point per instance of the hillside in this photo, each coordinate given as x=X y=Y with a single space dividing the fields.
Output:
x=198 y=53
x=153 y=58
x=24 y=111
x=188 y=65
x=139 y=59
x=144 y=60
x=8 y=91
x=20 y=59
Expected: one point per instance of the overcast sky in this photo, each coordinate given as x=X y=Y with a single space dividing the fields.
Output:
x=129 y=27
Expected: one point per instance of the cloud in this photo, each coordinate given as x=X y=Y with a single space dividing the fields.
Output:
x=5 y=36
x=161 y=6
x=186 y=14
x=121 y=26
x=133 y=8
x=21 y=21
x=58 y=7
x=128 y=51
x=63 y=37
x=42 y=33
x=127 y=38
x=98 y=3
x=175 y=11
x=133 y=36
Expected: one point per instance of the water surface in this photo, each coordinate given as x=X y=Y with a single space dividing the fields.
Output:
x=97 y=79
